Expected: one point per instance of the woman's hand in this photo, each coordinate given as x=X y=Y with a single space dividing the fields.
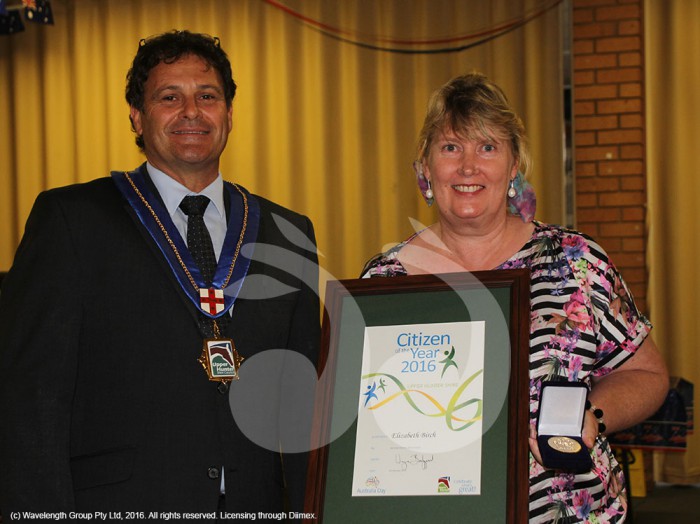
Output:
x=589 y=434
x=627 y=395
x=534 y=447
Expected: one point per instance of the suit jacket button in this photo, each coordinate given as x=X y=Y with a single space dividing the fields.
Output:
x=213 y=473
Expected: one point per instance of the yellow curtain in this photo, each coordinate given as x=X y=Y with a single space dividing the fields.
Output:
x=672 y=51
x=321 y=125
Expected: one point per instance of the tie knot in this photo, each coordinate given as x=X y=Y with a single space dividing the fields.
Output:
x=194 y=205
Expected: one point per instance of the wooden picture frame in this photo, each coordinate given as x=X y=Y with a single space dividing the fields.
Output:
x=499 y=299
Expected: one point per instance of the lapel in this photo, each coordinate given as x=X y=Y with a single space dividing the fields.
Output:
x=157 y=255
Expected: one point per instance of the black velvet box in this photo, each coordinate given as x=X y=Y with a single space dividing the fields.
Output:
x=559 y=426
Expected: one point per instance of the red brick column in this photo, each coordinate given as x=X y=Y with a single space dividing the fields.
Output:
x=608 y=124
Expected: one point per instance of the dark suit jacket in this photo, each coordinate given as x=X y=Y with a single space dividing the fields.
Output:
x=103 y=404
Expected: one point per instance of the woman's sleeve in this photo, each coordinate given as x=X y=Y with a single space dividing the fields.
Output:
x=620 y=327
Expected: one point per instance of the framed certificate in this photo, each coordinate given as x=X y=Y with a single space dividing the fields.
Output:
x=422 y=409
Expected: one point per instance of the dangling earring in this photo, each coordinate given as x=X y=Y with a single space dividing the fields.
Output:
x=511 y=189
x=423 y=183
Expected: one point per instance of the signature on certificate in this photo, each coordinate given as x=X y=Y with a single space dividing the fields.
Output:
x=415 y=459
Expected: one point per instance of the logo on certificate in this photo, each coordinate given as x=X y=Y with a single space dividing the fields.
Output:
x=372 y=482
x=444 y=485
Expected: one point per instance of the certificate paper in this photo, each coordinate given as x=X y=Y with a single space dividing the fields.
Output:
x=419 y=424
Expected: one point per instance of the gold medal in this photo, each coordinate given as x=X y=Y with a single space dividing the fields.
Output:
x=564 y=444
x=220 y=359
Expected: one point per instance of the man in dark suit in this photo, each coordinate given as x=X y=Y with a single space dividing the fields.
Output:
x=121 y=341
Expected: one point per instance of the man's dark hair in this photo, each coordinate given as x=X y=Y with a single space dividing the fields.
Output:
x=168 y=48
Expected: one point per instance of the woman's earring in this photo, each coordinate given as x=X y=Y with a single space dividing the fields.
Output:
x=423 y=183
x=511 y=189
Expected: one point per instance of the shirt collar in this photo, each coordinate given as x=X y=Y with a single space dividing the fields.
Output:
x=172 y=192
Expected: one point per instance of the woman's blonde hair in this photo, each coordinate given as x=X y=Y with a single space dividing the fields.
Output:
x=472 y=107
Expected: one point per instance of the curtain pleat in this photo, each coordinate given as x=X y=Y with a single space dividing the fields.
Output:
x=322 y=126
x=672 y=50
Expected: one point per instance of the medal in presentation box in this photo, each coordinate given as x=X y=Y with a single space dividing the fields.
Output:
x=559 y=426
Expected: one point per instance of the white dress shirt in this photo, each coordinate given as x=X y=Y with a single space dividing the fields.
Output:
x=172 y=192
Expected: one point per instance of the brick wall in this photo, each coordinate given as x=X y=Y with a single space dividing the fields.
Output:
x=609 y=159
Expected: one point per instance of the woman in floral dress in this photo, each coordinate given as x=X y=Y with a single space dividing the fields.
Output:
x=585 y=326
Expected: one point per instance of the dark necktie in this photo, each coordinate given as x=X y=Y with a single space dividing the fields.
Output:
x=198 y=238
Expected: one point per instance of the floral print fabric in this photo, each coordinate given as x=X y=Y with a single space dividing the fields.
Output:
x=584 y=324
